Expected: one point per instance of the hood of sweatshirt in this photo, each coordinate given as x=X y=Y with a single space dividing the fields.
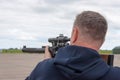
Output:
x=80 y=63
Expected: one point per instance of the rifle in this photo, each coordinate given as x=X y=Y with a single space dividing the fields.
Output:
x=61 y=41
x=58 y=42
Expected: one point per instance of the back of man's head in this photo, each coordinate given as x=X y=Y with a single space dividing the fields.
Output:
x=92 y=25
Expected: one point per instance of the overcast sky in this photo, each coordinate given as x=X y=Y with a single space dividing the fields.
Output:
x=32 y=22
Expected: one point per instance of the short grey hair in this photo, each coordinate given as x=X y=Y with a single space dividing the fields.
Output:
x=92 y=23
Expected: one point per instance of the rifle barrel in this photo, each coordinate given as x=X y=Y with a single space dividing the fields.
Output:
x=33 y=50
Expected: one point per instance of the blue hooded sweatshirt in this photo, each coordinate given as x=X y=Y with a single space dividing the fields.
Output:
x=75 y=63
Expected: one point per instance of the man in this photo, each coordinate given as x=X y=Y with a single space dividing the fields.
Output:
x=80 y=60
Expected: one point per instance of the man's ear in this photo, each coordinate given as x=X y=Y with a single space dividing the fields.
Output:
x=74 y=35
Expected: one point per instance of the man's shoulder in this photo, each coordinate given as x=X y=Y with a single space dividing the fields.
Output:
x=45 y=66
x=45 y=70
x=115 y=71
x=112 y=74
x=46 y=62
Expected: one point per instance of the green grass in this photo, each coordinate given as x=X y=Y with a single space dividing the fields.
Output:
x=105 y=51
x=15 y=51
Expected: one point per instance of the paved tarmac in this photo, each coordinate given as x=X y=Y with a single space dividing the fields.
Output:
x=19 y=66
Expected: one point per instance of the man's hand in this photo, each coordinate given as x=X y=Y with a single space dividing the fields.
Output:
x=47 y=53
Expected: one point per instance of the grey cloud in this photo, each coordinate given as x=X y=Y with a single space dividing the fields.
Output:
x=54 y=2
x=2 y=21
x=16 y=6
x=44 y=10
x=68 y=15
x=114 y=27
x=2 y=1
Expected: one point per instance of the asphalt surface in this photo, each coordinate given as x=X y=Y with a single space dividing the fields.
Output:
x=19 y=66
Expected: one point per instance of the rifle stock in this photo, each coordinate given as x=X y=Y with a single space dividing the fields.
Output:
x=108 y=58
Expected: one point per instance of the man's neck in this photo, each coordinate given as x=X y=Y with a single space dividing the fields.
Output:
x=92 y=46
